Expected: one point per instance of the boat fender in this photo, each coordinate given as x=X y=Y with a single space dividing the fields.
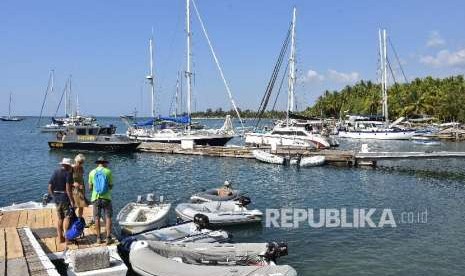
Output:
x=275 y=250
x=243 y=201
x=201 y=221
x=125 y=244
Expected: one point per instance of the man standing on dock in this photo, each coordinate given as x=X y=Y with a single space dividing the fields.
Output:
x=101 y=185
x=59 y=187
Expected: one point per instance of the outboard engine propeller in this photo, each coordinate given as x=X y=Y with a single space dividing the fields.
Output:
x=46 y=199
x=201 y=221
x=275 y=250
x=243 y=201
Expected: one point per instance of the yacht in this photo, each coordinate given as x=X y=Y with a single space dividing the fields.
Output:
x=156 y=130
x=10 y=118
x=365 y=127
x=289 y=132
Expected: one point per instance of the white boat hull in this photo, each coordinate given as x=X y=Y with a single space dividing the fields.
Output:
x=312 y=161
x=286 y=140
x=267 y=157
x=135 y=218
x=378 y=135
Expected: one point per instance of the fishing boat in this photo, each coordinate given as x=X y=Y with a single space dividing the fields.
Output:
x=153 y=131
x=244 y=254
x=362 y=127
x=10 y=118
x=137 y=217
x=220 y=212
x=146 y=259
x=93 y=138
x=267 y=157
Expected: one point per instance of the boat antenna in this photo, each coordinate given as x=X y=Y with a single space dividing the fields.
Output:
x=150 y=77
x=188 y=65
x=291 y=86
x=9 y=108
x=218 y=64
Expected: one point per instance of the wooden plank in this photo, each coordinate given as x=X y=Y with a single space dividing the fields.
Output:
x=14 y=248
x=2 y=244
x=48 y=245
x=60 y=246
x=22 y=221
x=10 y=219
x=31 y=218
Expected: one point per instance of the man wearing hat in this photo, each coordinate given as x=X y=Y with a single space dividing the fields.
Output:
x=225 y=190
x=60 y=187
x=101 y=185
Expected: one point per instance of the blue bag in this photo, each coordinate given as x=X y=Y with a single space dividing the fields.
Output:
x=100 y=182
x=76 y=229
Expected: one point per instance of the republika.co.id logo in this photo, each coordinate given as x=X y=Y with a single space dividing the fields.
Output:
x=343 y=218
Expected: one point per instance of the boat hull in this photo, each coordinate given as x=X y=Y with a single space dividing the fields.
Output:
x=217 y=141
x=95 y=146
x=12 y=119
x=157 y=217
x=377 y=135
x=285 y=140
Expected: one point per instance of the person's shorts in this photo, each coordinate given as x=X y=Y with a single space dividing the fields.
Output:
x=62 y=209
x=104 y=205
x=79 y=198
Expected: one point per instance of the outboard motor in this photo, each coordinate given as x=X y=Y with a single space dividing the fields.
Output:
x=275 y=250
x=46 y=198
x=139 y=199
x=287 y=161
x=243 y=201
x=150 y=199
x=201 y=221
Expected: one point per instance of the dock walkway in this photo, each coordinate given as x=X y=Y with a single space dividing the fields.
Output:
x=333 y=156
x=20 y=229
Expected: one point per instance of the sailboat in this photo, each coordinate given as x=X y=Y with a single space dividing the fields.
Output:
x=288 y=133
x=10 y=118
x=71 y=118
x=377 y=127
x=149 y=131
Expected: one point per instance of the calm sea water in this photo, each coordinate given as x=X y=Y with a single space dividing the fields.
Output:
x=432 y=248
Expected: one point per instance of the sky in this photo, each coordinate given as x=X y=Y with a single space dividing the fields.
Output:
x=104 y=46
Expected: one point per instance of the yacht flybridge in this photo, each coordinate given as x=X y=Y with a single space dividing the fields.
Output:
x=181 y=128
x=367 y=127
x=288 y=132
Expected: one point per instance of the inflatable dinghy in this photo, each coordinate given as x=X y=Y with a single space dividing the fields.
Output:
x=212 y=195
x=147 y=261
x=220 y=212
x=267 y=157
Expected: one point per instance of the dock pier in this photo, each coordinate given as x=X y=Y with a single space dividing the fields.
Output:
x=333 y=156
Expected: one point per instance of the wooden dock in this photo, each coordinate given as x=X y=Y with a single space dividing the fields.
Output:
x=16 y=256
x=333 y=156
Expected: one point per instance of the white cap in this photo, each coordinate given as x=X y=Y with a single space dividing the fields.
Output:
x=66 y=161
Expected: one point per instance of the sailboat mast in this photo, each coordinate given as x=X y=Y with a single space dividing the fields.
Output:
x=291 y=84
x=150 y=78
x=70 y=96
x=9 y=108
x=380 y=71
x=176 y=97
x=188 y=65
x=385 y=96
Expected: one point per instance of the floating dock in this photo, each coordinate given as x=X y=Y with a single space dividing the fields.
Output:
x=333 y=156
x=28 y=241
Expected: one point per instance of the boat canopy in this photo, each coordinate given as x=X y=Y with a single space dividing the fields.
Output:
x=148 y=122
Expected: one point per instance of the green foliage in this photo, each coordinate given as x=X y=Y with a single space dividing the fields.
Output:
x=442 y=98
x=219 y=113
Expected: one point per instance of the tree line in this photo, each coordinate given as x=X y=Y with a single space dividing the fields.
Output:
x=444 y=99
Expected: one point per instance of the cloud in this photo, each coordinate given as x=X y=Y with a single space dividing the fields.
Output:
x=435 y=40
x=312 y=76
x=445 y=58
x=341 y=77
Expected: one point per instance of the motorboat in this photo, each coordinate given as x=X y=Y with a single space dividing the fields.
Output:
x=94 y=138
x=312 y=161
x=30 y=205
x=137 y=217
x=220 y=212
x=147 y=260
x=213 y=195
x=242 y=254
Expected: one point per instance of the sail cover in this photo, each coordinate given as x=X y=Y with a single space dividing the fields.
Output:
x=148 y=122
x=179 y=120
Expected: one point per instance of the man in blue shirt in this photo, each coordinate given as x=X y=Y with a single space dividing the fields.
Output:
x=60 y=188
